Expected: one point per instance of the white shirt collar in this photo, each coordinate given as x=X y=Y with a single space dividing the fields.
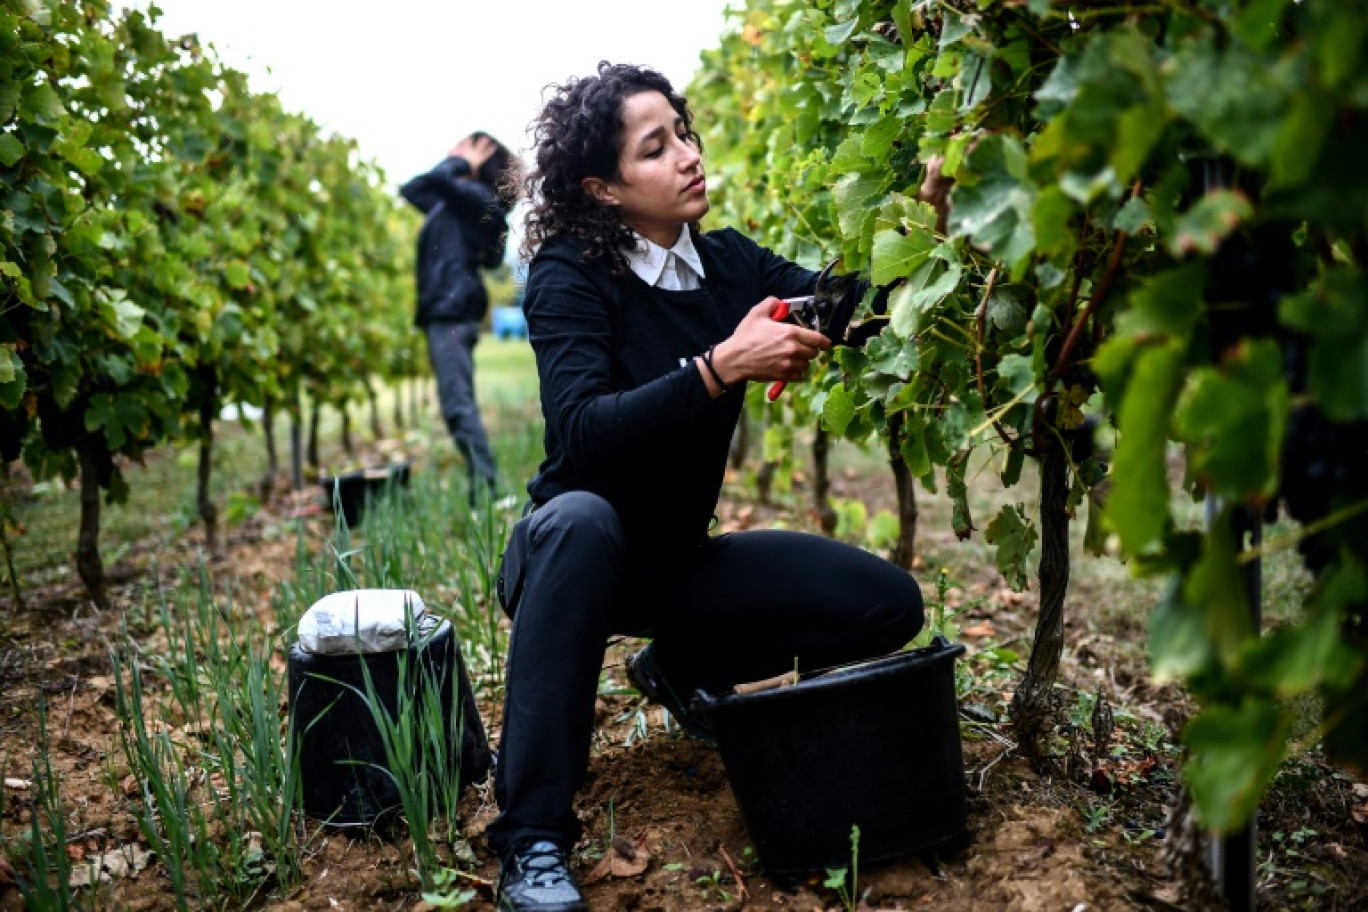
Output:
x=652 y=263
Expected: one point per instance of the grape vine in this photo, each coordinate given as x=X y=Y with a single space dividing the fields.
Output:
x=171 y=241
x=1158 y=219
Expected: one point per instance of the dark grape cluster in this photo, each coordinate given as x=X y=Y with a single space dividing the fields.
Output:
x=1322 y=470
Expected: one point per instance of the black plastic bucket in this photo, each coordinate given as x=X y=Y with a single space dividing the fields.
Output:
x=875 y=745
x=350 y=491
x=341 y=755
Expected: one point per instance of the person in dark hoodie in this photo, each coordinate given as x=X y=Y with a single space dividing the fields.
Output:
x=466 y=228
x=646 y=331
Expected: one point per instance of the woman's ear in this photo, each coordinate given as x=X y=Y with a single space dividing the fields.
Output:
x=598 y=188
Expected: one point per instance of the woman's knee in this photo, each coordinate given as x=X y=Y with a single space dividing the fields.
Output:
x=580 y=521
x=911 y=610
x=897 y=611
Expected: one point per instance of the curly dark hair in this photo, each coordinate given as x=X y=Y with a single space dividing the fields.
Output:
x=577 y=135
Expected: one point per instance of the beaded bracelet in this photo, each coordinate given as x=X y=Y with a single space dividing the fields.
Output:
x=707 y=362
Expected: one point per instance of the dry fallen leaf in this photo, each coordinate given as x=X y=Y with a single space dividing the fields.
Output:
x=1361 y=815
x=121 y=862
x=17 y=784
x=129 y=784
x=624 y=858
x=982 y=629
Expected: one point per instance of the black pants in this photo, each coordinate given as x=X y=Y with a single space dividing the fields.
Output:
x=451 y=348
x=741 y=607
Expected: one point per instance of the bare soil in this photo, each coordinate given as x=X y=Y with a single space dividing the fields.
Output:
x=1084 y=831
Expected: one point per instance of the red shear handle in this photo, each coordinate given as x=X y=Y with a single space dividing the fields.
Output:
x=779 y=314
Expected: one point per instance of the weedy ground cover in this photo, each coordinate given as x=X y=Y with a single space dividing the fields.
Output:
x=199 y=763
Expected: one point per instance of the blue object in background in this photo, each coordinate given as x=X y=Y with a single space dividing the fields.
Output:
x=508 y=323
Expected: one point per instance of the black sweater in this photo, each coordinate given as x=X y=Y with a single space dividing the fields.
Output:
x=465 y=228
x=628 y=416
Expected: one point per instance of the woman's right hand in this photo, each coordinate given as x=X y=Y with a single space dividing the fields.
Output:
x=763 y=348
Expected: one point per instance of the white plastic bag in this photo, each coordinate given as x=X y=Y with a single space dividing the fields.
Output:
x=361 y=621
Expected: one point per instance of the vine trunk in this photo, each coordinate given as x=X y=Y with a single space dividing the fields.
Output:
x=904 y=549
x=88 y=563
x=1033 y=706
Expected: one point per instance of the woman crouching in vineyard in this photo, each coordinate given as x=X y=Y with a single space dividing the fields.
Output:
x=646 y=331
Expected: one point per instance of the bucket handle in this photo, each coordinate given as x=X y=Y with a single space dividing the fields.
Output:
x=939 y=642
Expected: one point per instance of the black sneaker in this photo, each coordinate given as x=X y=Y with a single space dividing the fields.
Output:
x=646 y=677
x=534 y=877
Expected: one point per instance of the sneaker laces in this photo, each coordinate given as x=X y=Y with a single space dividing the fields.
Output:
x=543 y=864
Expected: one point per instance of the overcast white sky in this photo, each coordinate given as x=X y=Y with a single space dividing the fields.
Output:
x=408 y=78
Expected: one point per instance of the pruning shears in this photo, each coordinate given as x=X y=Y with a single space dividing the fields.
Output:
x=828 y=310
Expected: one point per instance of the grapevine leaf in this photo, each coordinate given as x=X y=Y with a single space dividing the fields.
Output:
x=914 y=452
x=890 y=356
x=1133 y=217
x=1209 y=221
x=1016 y=374
x=883 y=529
x=1257 y=23
x=1007 y=309
x=66 y=379
x=40 y=102
x=975 y=81
x=1014 y=537
x=13 y=379
x=1138 y=506
x=1336 y=317
x=1293 y=660
x=902 y=17
x=9 y=99
x=123 y=316
x=1232 y=422
x=852 y=519
x=994 y=204
x=12 y=392
x=88 y=161
x=1170 y=303
x=1297 y=151
x=1051 y=219
x=236 y=275
x=1137 y=130
x=879 y=138
x=905 y=314
x=11 y=149
x=954 y=28
x=1230 y=96
x=1215 y=588
x=838 y=409
x=1011 y=470
x=840 y=33
x=925 y=298
x=1235 y=753
x=897 y=256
